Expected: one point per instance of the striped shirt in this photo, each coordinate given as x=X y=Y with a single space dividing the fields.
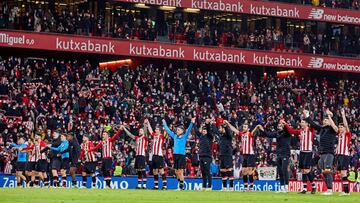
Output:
x=158 y=144
x=306 y=137
x=87 y=153
x=107 y=145
x=141 y=145
x=343 y=146
x=247 y=143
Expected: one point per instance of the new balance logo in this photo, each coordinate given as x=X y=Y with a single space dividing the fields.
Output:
x=316 y=13
x=316 y=62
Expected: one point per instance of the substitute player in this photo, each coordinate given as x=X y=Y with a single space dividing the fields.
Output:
x=140 y=159
x=157 y=163
x=342 y=152
x=247 y=146
x=89 y=161
x=74 y=152
x=180 y=139
x=306 y=135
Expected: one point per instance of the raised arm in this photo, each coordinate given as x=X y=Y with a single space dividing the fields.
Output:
x=167 y=129
x=255 y=129
x=148 y=126
x=332 y=123
x=97 y=147
x=346 y=125
x=128 y=133
x=113 y=138
x=188 y=130
x=292 y=130
x=268 y=133
x=314 y=125
x=63 y=146
x=232 y=128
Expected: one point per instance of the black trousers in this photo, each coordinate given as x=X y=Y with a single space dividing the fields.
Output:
x=205 y=162
x=282 y=168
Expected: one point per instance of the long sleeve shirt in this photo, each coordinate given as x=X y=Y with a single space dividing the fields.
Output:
x=282 y=142
x=179 y=141
x=21 y=156
x=63 y=149
x=327 y=137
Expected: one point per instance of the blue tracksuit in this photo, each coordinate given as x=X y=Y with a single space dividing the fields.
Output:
x=22 y=156
x=63 y=149
x=179 y=141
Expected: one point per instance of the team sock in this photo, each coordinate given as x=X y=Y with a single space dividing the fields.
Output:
x=346 y=184
x=181 y=185
x=144 y=179
x=63 y=180
x=230 y=175
x=93 y=181
x=84 y=181
x=204 y=179
x=305 y=179
x=139 y=178
x=37 y=181
x=164 y=181
x=251 y=180
x=224 y=179
x=246 y=180
x=156 y=181
x=46 y=181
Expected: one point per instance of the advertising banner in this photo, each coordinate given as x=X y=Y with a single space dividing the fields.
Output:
x=109 y=46
x=267 y=173
x=264 y=8
x=9 y=181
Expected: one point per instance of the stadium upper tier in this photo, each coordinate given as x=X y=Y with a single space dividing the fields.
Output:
x=133 y=21
x=326 y=10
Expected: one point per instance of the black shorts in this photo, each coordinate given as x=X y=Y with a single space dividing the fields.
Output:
x=31 y=166
x=157 y=162
x=56 y=163
x=65 y=163
x=249 y=160
x=74 y=161
x=140 y=162
x=20 y=166
x=179 y=161
x=106 y=164
x=226 y=162
x=41 y=165
x=342 y=162
x=89 y=167
x=305 y=160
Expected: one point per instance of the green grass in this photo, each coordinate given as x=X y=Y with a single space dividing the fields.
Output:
x=34 y=195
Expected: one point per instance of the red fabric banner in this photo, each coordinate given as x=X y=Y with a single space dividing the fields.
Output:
x=81 y=44
x=297 y=186
x=264 y=8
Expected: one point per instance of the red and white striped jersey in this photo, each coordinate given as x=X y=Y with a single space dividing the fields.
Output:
x=141 y=145
x=343 y=146
x=107 y=145
x=247 y=143
x=306 y=137
x=157 y=144
x=34 y=151
x=87 y=152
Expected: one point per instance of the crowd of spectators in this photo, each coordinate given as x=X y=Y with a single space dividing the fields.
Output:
x=43 y=95
x=345 y=4
x=213 y=32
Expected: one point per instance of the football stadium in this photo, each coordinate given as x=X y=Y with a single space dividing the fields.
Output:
x=179 y=100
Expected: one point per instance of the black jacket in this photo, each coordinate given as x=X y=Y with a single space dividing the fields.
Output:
x=205 y=142
x=327 y=137
x=225 y=143
x=74 y=148
x=282 y=142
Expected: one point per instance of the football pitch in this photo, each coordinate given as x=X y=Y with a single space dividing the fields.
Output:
x=50 y=195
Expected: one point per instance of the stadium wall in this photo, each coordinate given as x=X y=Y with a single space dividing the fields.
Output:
x=108 y=46
x=130 y=182
x=271 y=9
